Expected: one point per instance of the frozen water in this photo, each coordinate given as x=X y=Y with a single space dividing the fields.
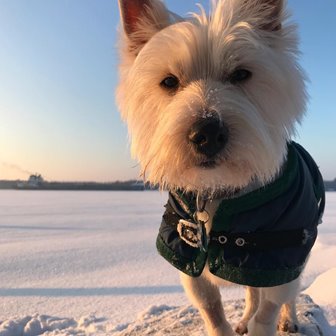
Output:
x=86 y=262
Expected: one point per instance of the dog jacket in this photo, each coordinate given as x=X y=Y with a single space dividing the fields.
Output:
x=259 y=239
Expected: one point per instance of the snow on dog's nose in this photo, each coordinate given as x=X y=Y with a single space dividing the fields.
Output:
x=208 y=136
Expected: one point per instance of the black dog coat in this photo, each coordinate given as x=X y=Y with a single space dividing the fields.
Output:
x=260 y=239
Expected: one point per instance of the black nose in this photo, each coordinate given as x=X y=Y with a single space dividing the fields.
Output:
x=209 y=136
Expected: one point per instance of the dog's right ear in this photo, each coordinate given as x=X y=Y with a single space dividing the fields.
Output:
x=141 y=19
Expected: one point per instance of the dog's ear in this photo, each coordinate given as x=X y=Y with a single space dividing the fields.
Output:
x=270 y=13
x=141 y=19
x=275 y=11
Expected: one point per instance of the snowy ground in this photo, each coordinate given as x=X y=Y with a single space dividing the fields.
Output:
x=81 y=263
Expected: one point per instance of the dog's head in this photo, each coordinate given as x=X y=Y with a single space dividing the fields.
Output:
x=212 y=101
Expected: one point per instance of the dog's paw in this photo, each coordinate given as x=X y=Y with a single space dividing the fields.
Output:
x=260 y=329
x=223 y=330
x=288 y=326
x=241 y=328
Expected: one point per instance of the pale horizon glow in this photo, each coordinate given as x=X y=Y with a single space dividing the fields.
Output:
x=58 y=73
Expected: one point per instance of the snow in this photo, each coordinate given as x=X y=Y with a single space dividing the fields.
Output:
x=323 y=291
x=85 y=263
x=326 y=280
x=186 y=320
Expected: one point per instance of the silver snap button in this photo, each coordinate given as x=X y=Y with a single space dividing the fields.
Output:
x=240 y=242
x=222 y=240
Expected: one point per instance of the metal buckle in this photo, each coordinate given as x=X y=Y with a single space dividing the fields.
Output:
x=189 y=232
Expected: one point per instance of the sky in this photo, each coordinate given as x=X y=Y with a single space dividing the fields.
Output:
x=58 y=74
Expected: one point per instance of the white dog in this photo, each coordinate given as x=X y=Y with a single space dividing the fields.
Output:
x=211 y=104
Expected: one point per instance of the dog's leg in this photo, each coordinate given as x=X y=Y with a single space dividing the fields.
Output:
x=264 y=322
x=288 y=319
x=251 y=305
x=206 y=297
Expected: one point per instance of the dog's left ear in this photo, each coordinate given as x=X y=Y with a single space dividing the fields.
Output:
x=273 y=15
x=269 y=13
x=141 y=19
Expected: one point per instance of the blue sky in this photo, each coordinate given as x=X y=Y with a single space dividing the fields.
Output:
x=58 y=73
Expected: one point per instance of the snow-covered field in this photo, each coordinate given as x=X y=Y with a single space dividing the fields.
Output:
x=85 y=263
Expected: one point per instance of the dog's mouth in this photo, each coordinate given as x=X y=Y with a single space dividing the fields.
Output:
x=208 y=164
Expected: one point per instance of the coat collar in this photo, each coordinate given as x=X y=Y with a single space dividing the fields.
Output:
x=251 y=199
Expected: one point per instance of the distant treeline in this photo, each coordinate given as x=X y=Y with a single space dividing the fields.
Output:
x=330 y=185
x=118 y=185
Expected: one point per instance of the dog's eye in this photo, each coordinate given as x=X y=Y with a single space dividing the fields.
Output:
x=240 y=75
x=170 y=83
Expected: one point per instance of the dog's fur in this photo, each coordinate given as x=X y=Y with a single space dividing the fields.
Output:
x=260 y=114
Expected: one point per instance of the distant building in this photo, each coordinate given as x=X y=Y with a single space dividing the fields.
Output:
x=35 y=181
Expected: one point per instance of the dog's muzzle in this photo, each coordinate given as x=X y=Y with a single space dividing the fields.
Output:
x=208 y=136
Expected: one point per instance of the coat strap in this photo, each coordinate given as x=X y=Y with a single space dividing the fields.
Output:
x=263 y=240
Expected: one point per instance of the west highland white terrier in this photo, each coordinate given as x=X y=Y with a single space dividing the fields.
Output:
x=211 y=104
